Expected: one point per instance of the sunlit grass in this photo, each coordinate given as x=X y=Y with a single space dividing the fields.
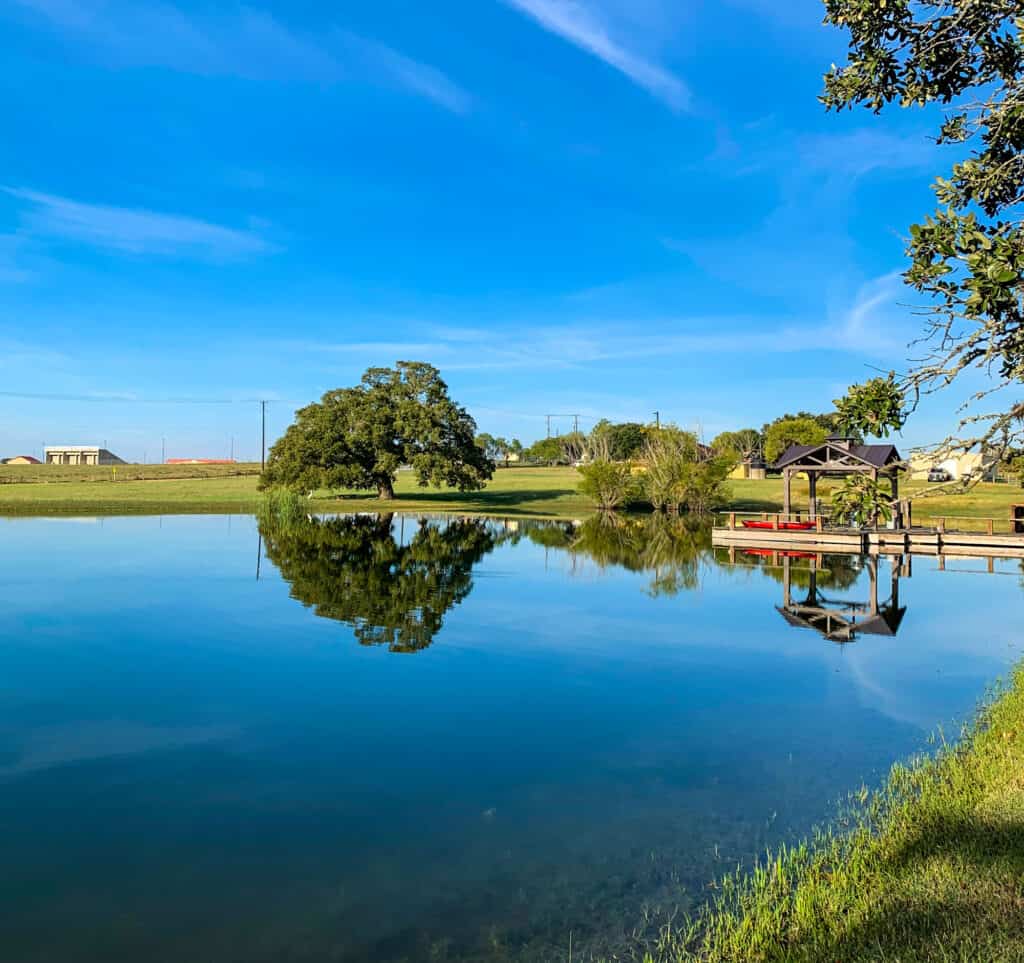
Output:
x=538 y=492
x=930 y=868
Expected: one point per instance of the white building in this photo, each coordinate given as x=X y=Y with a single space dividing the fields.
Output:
x=81 y=455
x=976 y=464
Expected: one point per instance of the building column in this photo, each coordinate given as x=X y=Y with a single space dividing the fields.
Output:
x=787 y=481
x=812 y=484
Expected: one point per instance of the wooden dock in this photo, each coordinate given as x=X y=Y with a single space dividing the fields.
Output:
x=822 y=539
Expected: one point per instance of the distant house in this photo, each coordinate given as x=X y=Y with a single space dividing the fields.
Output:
x=81 y=455
x=21 y=460
x=977 y=465
x=200 y=461
x=753 y=468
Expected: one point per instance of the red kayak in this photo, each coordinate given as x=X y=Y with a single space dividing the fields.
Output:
x=783 y=526
x=770 y=552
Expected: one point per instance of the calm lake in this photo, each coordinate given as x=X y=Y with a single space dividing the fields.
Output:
x=389 y=739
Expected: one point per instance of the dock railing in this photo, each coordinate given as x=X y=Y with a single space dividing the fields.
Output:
x=775 y=520
x=967 y=524
x=981 y=524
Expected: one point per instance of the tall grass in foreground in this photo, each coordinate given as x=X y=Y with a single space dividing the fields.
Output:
x=929 y=868
x=281 y=507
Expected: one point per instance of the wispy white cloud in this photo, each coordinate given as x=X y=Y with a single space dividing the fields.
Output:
x=876 y=323
x=243 y=43
x=865 y=326
x=859 y=152
x=11 y=269
x=133 y=230
x=583 y=25
x=412 y=75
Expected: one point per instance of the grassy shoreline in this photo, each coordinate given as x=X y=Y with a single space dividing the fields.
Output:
x=524 y=492
x=929 y=868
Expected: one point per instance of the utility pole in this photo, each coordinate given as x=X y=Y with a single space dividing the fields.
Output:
x=575 y=424
x=549 y=425
x=657 y=419
x=263 y=435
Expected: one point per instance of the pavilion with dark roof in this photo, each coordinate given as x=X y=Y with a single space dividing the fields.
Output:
x=836 y=455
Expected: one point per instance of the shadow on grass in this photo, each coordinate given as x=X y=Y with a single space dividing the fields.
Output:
x=955 y=892
x=967 y=927
x=992 y=844
x=753 y=505
x=498 y=502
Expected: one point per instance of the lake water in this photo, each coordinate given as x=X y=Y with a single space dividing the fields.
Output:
x=386 y=739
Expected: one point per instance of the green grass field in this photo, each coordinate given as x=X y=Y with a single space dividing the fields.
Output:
x=537 y=492
x=931 y=868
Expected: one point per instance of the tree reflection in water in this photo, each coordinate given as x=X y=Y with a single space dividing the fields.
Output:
x=395 y=589
x=669 y=547
x=392 y=591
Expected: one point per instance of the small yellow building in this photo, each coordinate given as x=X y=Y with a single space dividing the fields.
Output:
x=21 y=460
x=754 y=470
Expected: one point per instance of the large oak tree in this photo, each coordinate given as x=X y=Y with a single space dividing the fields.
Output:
x=359 y=437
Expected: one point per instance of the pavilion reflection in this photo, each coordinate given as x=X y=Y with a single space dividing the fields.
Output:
x=842 y=619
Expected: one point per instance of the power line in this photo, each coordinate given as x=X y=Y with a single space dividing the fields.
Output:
x=122 y=399
x=263 y=435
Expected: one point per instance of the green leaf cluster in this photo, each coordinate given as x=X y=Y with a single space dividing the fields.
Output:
x=875 y=407
x=860 y=500
x=800 y=430
x=967 y=258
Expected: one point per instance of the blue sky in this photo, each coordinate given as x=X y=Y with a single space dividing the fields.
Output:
x=607 y=207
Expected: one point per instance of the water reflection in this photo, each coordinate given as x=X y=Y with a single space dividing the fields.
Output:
x=669 y=548
x=393 y=579
x=815 y=590
x=572 y=755
x=841 y=619
x=392 y=587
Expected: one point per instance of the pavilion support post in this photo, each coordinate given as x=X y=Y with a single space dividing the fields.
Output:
x=812 y=487
x=874 y=478
x=897 y=507
x=787 y=497
x=873 y=572
x=787 y=581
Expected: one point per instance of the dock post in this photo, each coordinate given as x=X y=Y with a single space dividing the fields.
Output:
x=941 y=526
x=818 y=524
x=991 y=530
x=775 y=523
x=732 y=521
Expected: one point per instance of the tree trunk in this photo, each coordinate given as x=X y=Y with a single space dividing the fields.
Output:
x=385 y=490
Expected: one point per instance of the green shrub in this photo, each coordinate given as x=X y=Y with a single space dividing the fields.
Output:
x=860 y=500
x=281 y=507
x=682 y=475
x=609 y=484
